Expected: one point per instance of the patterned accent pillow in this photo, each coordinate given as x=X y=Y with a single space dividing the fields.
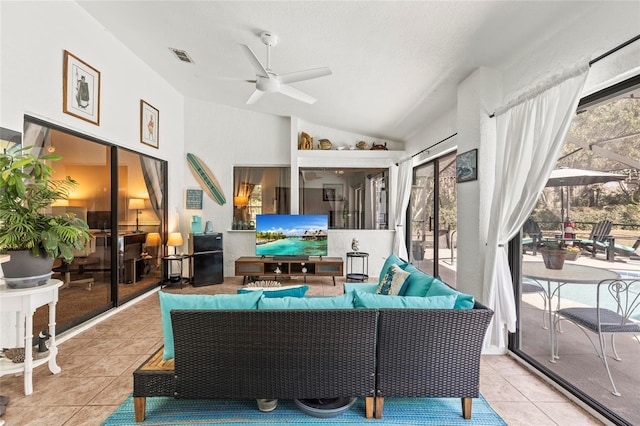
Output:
x=392 y=281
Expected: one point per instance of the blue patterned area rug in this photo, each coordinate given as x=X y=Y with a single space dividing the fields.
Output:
x=397 y=411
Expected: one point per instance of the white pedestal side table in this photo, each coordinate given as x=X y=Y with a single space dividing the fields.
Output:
x=23 y=302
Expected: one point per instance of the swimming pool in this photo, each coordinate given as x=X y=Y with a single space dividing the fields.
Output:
x=628 y=274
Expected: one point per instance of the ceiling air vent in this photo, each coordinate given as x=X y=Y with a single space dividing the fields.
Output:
x=182 y=55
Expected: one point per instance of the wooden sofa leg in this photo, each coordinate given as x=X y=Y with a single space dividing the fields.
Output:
x=466 y=407
x=379 y=407
x=368 y=407
x=139 y=407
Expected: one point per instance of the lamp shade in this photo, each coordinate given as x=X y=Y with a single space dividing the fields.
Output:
x=240 y=201
x=153 y=239
x=175 y=239
x=136 y=203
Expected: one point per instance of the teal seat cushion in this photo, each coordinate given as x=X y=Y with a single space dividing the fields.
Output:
x=381 y=301
x=438 y=288
x=391 y=260
x=344 y=301
x=418 y=282
x=288 y=291
x=169 y=302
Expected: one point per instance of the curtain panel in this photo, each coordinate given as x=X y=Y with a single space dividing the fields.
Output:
x=530 y=133
x=403 y=194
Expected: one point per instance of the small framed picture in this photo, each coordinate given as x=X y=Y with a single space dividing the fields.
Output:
x=332 y=192
x=149 y=121
x=80 y=89
x=467 y=166
x=193 y=199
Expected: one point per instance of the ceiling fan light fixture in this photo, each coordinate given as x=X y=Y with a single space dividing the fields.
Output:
x=267 y=85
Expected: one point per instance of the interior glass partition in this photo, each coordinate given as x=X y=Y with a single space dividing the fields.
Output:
x=259 y=190
x=352 y=198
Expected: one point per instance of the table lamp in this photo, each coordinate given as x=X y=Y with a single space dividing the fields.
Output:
x=136 y=204
x=153 y=239
x=240 y=201
x=175 y=240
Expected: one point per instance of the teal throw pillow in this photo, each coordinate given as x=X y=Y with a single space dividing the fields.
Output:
x=169 y=301
x=393 y=280
x=379 y=301
x=334 y=302
x=438 y=288
x=288 y=291
x=391 y=260
x=363 y=287
x=417 y=284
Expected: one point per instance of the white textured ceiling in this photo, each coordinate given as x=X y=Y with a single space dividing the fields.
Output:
x=396 y=65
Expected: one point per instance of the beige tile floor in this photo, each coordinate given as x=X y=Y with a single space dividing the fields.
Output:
x=97 y=365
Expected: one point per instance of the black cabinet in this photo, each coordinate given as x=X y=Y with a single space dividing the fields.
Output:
x=207 y=261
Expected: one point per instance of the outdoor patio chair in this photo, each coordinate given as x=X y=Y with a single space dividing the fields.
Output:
x=617 y=311
x=598 y=239
x=628 y=251
x=532 y=287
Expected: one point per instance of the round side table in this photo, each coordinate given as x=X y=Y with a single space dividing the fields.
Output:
x=363 y=275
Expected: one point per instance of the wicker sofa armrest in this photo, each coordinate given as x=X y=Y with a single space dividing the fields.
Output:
x=430 y=353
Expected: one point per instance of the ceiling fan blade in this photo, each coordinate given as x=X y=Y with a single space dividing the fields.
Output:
x=292 y=77
x=253 y=59
x=255 y=97
x=296 y=94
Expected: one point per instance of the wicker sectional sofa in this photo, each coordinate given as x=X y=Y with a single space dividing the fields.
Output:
x=319 y=353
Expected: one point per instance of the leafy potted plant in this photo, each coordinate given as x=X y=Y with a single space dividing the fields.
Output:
x=28 y=232
x=553 y=254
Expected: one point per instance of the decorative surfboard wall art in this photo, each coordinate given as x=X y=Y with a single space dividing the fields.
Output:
x=206 y=179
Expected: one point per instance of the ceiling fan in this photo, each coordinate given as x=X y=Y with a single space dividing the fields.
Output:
x=268 y=81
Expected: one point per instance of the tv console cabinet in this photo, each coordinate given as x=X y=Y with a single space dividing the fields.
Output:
x=255 y=266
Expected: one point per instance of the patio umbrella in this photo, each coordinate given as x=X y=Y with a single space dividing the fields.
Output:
x=574 y=177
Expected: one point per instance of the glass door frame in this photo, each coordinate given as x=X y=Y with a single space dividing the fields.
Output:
x=435 y=164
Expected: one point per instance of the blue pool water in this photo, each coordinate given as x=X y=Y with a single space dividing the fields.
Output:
x=628 y=274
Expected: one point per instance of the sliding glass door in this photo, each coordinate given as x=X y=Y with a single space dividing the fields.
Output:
x=603 y=140
x=120 y=194
x=432 y=218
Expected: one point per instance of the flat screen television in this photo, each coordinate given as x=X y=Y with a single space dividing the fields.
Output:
x=291 y=236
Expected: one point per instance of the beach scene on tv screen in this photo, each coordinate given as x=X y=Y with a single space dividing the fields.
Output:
x=291 y=235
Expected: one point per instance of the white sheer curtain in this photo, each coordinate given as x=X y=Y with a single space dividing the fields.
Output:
x=403 y=193
x=530 y=134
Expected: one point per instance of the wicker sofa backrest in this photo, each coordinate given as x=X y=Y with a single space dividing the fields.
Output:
x=430 y=352
x=274 y=354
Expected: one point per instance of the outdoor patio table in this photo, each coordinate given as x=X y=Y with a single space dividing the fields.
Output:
x=569 y=274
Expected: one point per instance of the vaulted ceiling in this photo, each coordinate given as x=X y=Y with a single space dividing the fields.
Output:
x=396 y=65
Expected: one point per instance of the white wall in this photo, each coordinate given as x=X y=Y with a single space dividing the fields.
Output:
x=33 y=38
x=224 y=137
